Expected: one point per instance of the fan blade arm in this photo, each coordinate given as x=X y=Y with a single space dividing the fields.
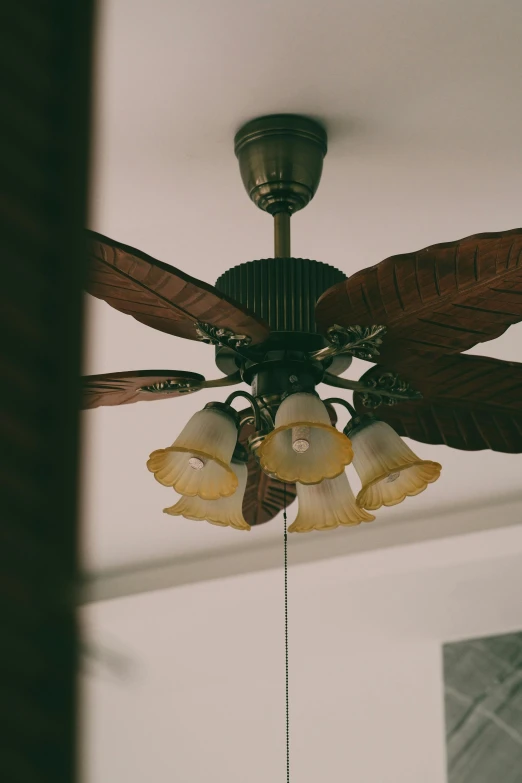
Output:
x=390 y=390
x=226 y=380
x=122 y=388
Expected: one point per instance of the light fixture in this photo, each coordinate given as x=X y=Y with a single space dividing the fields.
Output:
x=388 y=469
x=294 y=440
x=327 y=505
x=284 y=326
x=274 y=319
x=198 y=462
x=269 y=339
x=226 y=511
x=304 y=446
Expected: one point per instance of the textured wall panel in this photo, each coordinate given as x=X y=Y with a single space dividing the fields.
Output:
x=483 y=698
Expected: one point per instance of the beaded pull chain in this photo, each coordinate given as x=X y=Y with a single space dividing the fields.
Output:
x=286 y=640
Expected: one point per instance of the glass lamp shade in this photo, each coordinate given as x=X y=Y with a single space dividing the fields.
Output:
x=388 y=468
x=226 y=512
x=327 y=505
x=304 y=446
x=198 y=462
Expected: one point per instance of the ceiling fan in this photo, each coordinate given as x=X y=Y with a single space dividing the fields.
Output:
x=283 y=325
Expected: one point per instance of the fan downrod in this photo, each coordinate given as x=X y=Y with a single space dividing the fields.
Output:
x=281 y=160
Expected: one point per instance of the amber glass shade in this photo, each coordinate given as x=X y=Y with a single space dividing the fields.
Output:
x=304 y=446
x=198 y=462
x=226 y=512
x=327 y=505
x=388 y=468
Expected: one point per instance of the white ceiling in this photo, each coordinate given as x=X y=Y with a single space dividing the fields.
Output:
x=423 y=109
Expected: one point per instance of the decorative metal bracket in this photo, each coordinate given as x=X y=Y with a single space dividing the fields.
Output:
x=253 y=404
x=185 y=387
x=385 y=389
x=360 y=341
x=171 y=387
x=217 y=335
x=257 y=418
x=388 y=389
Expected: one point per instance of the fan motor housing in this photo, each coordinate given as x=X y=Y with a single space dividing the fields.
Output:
x=283 y=292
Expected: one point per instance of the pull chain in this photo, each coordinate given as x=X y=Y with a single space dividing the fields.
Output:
x=286 y=641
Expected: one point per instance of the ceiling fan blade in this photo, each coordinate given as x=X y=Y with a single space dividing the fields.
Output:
x=264 y=496
x=441 y=300
x=161 y=296
x=122 y=388
x=469 y=402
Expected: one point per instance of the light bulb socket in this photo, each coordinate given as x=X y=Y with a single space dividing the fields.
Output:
x=299 y=390
x=222 y=407
x=255 y=441
x=358 y=423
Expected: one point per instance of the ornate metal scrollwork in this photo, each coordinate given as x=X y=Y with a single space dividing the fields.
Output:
x=387 y=389
x=171 y=387
x=217 y=335
x=360 y=341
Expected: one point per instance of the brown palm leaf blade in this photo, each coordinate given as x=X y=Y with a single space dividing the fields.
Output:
x=264 y=496
x=122 y=388
x=441 y=300
x=469 y=402
x=161 y=296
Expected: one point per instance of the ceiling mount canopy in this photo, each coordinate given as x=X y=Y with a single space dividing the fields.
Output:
x=281 y=161
x=284 y=325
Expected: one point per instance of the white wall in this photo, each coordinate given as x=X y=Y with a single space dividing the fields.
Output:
x=203 y=698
